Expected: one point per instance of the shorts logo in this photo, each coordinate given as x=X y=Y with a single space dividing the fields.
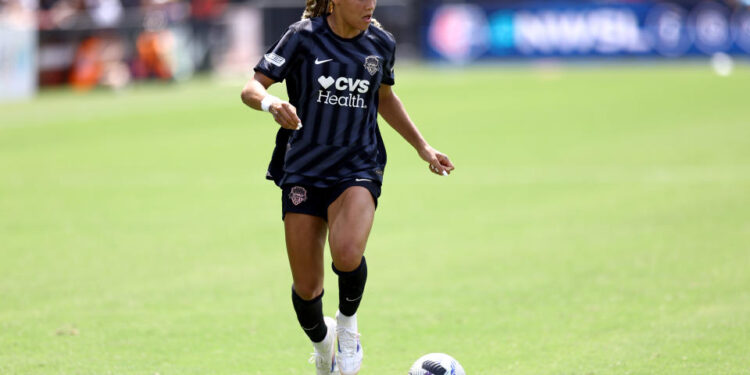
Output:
x=298 y=195
x=372 y=64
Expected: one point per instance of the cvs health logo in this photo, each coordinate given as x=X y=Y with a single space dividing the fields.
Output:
x=360 y=86
x=345 y=83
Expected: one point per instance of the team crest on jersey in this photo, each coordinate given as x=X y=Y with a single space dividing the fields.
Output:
x=372 y=64
x=298 y=195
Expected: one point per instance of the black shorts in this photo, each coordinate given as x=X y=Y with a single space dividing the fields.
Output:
x=305 y=199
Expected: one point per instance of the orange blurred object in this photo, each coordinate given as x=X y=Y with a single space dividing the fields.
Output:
x=153 y=54
x=87 y=66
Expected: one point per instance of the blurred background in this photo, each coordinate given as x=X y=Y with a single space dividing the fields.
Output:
x=111 y=43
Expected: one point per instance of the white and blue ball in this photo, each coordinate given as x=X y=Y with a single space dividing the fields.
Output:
x=436 y=364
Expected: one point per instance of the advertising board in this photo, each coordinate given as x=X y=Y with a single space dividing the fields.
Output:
x=471 y=31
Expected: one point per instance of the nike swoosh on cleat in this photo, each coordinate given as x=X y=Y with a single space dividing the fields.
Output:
x=318 y=62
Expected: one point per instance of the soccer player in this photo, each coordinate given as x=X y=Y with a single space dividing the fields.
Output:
x=329 y=158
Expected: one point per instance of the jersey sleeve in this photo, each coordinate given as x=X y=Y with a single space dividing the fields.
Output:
x=388 y=75
x=280 y=57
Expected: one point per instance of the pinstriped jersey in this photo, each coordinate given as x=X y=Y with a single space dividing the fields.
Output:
x=333 y=82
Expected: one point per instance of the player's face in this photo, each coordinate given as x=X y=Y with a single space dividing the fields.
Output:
x=356 y=13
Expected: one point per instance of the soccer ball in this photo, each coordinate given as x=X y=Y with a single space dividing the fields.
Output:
x=436 y=364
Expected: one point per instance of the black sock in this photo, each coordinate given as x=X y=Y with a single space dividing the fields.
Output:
x=351 y=287
x=310 y=316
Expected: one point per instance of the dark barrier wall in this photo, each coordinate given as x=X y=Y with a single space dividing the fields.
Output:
x=492 y=30
x=399 y=17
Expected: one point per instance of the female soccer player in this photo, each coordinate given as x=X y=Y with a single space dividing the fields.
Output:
x=329 y=157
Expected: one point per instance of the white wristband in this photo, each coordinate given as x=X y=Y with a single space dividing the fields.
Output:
x=267 y=101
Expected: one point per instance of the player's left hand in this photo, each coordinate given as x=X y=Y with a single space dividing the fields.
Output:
x=439 y=163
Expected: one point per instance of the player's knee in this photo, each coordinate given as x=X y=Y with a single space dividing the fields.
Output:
x=308 y=290
x=347 y=256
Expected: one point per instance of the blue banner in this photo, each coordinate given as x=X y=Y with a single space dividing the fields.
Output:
x=473 y=31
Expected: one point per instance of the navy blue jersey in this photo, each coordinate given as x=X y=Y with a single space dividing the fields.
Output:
x=333 y=82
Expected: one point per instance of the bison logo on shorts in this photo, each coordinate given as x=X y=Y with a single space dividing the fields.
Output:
x=372 y=64
x=298 y=195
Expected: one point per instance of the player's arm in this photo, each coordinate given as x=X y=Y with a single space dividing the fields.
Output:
x=255 y=92
x=393 y=111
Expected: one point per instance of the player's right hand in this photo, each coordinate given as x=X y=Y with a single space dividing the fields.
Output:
x=286 y=115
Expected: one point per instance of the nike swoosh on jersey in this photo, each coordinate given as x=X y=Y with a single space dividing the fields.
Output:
x=362 y=179
x=318 y=62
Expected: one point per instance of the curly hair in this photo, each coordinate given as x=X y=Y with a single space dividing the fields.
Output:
x=317 y=8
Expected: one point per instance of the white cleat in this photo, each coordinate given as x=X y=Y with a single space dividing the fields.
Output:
x=349 y=349
x=324 y=356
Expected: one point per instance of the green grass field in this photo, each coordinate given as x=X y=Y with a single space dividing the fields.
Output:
x=598 y=222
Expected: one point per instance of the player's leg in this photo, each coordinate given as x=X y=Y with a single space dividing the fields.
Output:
x=305 y=241
x=350 y=219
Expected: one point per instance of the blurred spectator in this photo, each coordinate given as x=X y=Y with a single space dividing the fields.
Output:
x=17 y=13
x=204 y=19
x=154 y=46
x=87 y=68
x=59 y=14
x=99 y=61
x=105 y=13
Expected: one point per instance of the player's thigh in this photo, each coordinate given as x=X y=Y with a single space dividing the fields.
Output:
x=350 y=219
x=305 y=240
